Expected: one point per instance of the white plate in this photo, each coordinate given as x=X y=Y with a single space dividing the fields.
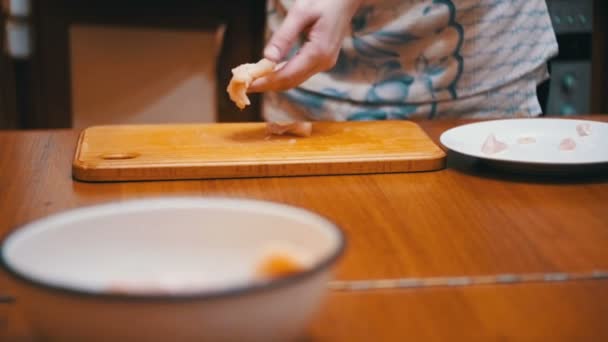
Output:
x=548 y=133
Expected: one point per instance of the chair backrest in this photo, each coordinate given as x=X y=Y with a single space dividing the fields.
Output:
x=47 y=71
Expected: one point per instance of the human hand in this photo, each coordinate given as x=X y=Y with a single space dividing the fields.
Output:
x=325 y=23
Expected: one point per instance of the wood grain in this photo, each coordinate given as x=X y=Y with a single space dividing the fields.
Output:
x=467 y=219
x=557 y=312
x=230 y=150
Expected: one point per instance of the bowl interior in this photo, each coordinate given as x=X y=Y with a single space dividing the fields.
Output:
x=187 y=244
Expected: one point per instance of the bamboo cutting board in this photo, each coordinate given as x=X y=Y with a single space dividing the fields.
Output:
x=233 y=150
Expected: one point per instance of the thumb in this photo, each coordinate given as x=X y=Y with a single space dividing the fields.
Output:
x=285 y=37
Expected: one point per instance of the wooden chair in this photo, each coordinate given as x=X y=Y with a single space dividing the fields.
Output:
x=8 y=106
x=47 y=71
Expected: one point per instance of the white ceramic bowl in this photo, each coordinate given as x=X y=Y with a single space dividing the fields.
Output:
x=204 y=250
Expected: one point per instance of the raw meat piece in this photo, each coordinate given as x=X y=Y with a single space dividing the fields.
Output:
x=279 y=259
x=567 y=144
x=583 y=129
x=279 y=265
x=243 y=75
x=298 y=128
x=493 y=146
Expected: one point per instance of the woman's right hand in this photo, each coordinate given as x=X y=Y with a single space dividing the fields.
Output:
x=326 y=23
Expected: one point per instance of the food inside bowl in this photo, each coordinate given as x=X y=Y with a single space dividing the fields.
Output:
x=275 y=262
x=279 y=260
x=279 y=265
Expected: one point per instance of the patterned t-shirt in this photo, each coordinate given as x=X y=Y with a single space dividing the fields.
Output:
x=427 y=58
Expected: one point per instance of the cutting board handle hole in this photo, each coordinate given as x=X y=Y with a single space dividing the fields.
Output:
x=119 y=156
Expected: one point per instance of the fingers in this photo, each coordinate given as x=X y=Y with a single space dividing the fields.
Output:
x=313 y=57
x=325 y=26
x=285 y=37
x=296 y=71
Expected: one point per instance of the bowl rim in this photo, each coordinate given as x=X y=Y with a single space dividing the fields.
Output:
x=238 y=290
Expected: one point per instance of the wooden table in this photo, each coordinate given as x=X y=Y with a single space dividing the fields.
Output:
x=464 y=220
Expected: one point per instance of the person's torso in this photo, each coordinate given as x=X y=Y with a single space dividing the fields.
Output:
x=429 y=51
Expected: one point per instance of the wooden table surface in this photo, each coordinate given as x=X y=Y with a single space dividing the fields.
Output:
x=467 y=219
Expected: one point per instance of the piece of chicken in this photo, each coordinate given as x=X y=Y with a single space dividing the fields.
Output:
x=242 y=77
x=278 y=265
x=493 y=145
x=297 y=128
x=583 y=130
x=567 y=144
